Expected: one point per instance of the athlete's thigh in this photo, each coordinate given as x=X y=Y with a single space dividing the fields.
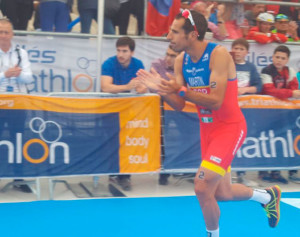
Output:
x=224 y=187
x=221 y=147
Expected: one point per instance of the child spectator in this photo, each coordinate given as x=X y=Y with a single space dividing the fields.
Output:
x=280 y=81
x=249 y=82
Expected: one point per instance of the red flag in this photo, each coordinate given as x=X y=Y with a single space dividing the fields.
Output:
x=160 y=15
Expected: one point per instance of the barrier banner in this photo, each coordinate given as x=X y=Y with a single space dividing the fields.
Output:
x=273 y=137
x=53 y=136
x=63 y=64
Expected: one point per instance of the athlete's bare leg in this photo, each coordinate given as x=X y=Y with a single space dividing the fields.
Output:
x=206 y=183
x=211 y=187
x=226 y=191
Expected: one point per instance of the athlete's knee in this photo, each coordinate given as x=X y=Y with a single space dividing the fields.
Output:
x=201 y=187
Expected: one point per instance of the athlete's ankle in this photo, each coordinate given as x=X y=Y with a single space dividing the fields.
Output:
x=212 y=233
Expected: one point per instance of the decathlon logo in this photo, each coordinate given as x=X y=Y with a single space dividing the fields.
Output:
x=49 y=133
x=84 y=82
x=271 y=146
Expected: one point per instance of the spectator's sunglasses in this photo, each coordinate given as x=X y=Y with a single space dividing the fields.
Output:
x=188 y=15
x=281 y=17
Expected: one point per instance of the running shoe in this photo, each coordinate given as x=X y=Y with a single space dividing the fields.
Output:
x=273 y=207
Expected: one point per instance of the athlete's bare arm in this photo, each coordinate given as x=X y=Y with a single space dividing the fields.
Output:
x=222 y=68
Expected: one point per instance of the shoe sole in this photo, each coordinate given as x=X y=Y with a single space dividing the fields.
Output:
x=277 y=204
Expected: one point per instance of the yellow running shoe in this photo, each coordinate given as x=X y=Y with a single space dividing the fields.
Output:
x=272 y=208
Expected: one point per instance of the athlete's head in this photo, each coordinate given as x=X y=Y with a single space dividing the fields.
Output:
x=281 y=56
x=125 y=50
x=187 y=27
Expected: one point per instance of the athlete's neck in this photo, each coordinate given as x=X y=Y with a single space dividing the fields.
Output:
x=196 y=50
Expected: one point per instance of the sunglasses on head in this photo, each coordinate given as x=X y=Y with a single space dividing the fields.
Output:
x=188 y=15
x=281 y=17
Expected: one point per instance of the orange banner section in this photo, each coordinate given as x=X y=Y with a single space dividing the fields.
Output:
x=140 y=125
x=252 y=101
x=267 y=102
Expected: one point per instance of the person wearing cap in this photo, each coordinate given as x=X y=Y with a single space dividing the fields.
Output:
x=262 y=32
x=284 y=26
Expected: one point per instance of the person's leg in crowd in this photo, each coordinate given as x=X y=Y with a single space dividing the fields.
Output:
x=10 y=12
x=24 y=11
x=16 y=124
x=47 y=15
x=122 y=18
x=163 y=179
x=277 y=177
x=62 y=18
x=108 y=26
x=85 y=20
x=293 y=176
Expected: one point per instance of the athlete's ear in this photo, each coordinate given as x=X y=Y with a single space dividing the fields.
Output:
x=195 y=34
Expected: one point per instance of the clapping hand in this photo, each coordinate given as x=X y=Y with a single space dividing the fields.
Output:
x=150 y=79
x=168 y=87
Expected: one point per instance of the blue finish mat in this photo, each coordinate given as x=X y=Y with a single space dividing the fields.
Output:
x=130 y=217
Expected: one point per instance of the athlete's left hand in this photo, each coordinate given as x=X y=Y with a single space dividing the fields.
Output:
x=168 y=87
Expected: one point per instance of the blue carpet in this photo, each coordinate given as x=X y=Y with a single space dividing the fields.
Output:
x=130 y=217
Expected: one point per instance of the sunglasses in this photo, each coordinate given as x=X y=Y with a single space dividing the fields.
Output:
x=188 y=15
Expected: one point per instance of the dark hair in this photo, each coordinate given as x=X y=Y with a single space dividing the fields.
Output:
x=283 y=49
x=126 y=41
x=200 y=22
x=241 y=41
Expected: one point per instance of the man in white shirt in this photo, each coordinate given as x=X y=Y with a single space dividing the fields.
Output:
x=15 y=73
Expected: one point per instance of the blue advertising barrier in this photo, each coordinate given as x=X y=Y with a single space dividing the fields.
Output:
x=272 y=142
x=54 y=136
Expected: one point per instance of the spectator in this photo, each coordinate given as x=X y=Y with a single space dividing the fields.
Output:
x=135 y=7
x=280 y=81
x=251 y=15
x=219 y=30
x=284 y=26
x=119 y=75
x=236 y=25
x=55 y=15
x=15 y=73
x=262 y=32
x=18 y=12
x=249 y=82
x=88 y=11
x=163 y=66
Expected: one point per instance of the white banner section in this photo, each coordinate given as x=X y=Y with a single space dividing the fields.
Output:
x=62 y=64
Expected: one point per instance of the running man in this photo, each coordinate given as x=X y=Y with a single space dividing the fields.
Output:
x=205 y=75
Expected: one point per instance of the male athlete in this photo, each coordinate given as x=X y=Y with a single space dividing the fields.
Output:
x=205 y=75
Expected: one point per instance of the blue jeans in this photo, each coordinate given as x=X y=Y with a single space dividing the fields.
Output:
x=86 y=17
x=54 y=16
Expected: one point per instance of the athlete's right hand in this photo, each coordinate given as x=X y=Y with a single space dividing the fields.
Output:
x=150 y=79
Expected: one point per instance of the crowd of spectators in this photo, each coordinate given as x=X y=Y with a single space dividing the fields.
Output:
x=228 y=20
